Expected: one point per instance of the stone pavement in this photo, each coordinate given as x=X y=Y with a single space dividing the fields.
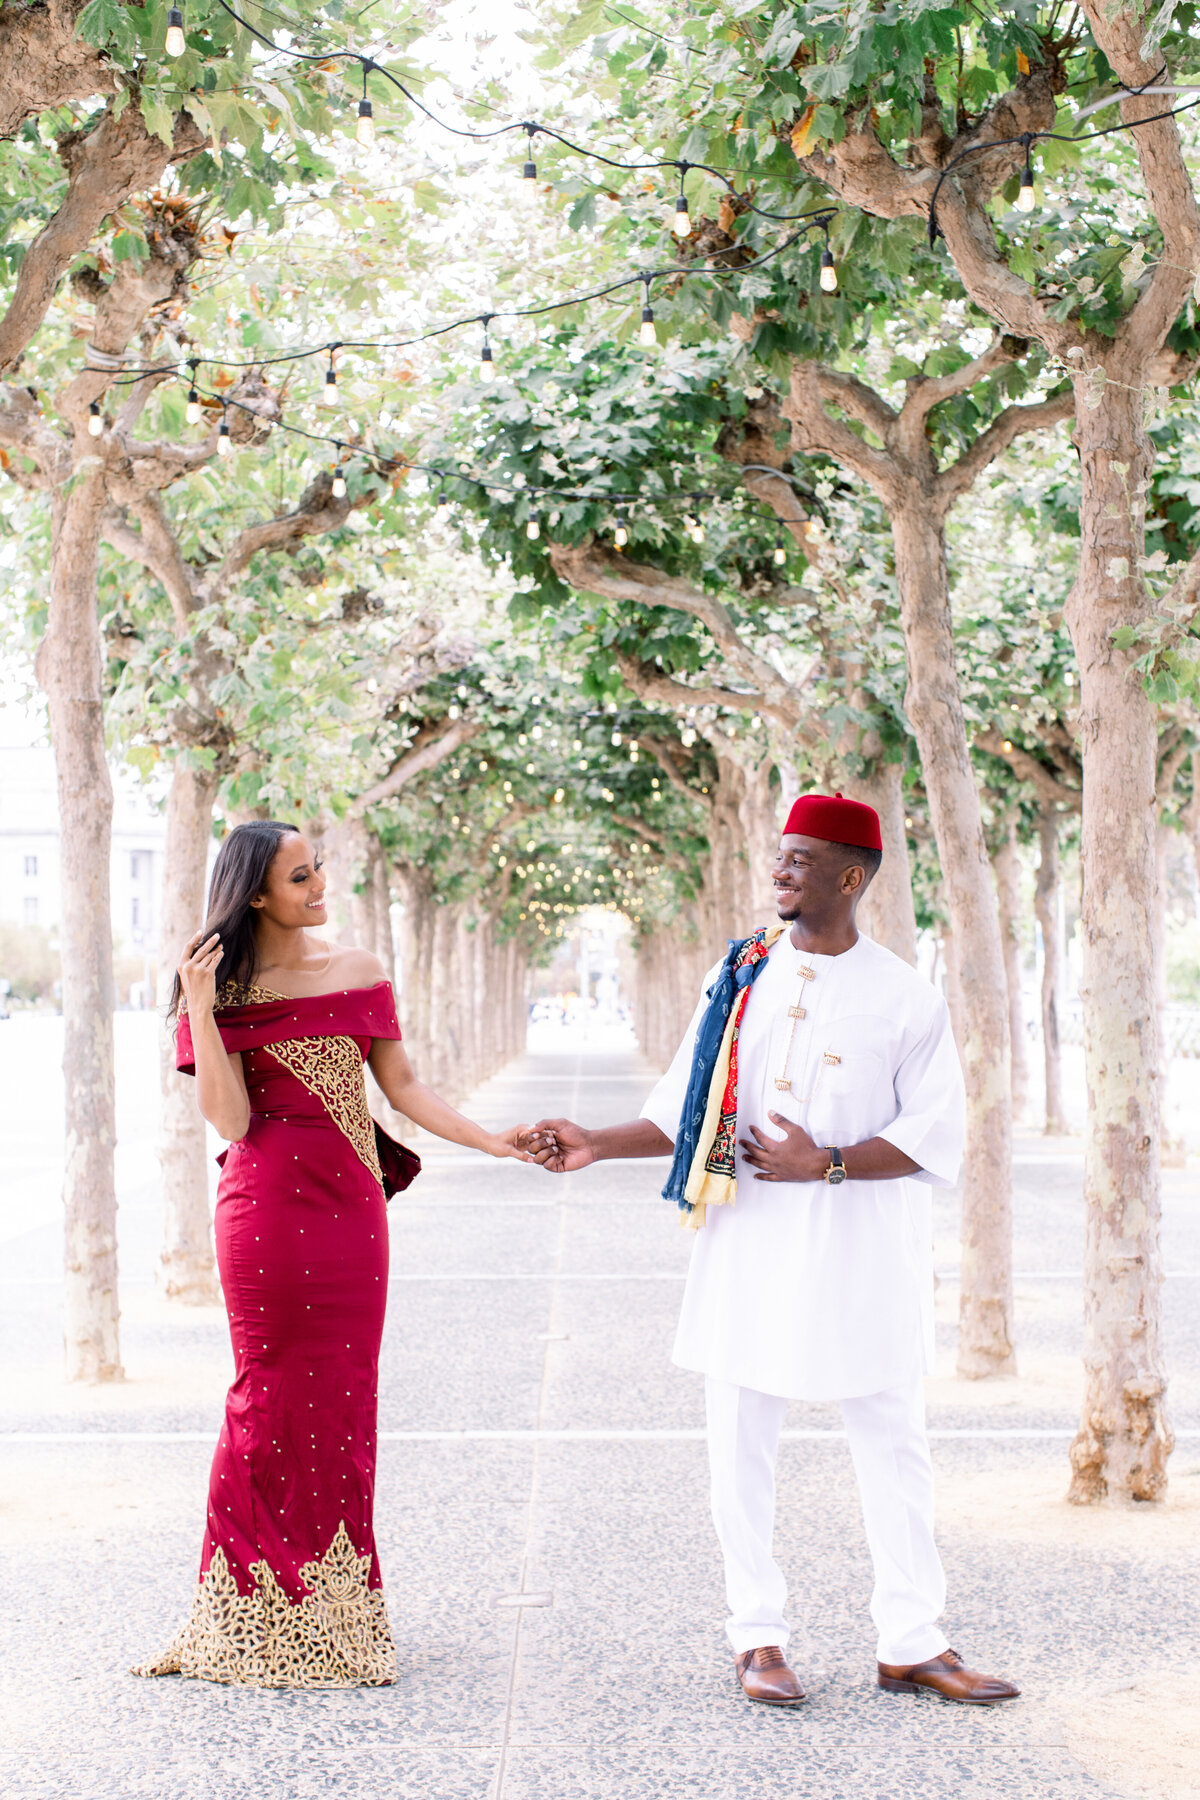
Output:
x=550 y=1567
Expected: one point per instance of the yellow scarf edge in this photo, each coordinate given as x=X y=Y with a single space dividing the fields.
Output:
x=704 y=1188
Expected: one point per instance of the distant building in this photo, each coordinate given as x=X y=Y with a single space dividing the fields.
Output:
x=29 y=852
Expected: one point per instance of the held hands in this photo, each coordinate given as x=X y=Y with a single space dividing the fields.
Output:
x=198 y=972
x=560 y=1145
x=793 y=1158
x=514 y=1142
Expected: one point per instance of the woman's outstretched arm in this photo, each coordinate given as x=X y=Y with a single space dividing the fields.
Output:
x=394 y=1073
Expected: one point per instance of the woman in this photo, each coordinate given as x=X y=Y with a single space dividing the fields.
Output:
x=290 y=1593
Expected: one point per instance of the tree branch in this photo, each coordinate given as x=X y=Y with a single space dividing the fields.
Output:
x=1053 y=793
x=434 y=742
x=954 y=482
x=594 y=569
x=814 y=429
x=156 y=547
x=1121 y=32
x=317 y=512
x=651 y=685
x=46 y=64
x=106 y=166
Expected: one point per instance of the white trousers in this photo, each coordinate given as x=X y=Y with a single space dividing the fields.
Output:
x=888 y=1446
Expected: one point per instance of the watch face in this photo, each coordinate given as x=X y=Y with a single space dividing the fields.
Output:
x=835 y=1176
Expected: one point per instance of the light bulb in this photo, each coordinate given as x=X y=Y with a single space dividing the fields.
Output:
x=95 y=420
x=330 y=396
x=1026 y=198
x=193 y=414
x=223 y=444
x=443 y=509
x=176 y=44
x=364 y=131
x=681 y=224
x=533 y=530
x=647 y=336
x=621 y=534
x=338 y=487
x=779 y=556
x=828 y=272
x=698 y=534
x=487 y=366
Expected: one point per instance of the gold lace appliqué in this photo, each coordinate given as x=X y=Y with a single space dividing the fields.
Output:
x=332 y=1069
x=235 y=993
x=336 y=1636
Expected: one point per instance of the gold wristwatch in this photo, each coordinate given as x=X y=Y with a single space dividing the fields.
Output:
x=836 y=1172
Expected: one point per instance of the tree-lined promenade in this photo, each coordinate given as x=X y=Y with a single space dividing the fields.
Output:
x=890 y=493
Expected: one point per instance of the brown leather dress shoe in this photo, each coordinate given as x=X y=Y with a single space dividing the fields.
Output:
x=765 y=1676
x=948 y=1676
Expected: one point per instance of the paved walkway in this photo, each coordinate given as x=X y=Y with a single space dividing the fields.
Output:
x=550 y=1567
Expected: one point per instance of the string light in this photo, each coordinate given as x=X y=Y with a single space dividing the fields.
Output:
x=487 y=365
x=330 y=396
x=647 y=336
x=829 y=278
x=779 y=556
x=95 y=419
x=681 y=225
x=1026 y=197
x=193 y=411
x=338 y=484
x=442 y=511
x=176 y=43
x=533 y=531
x=364 y=130
x=529 y=172
x=621 y=534
x=223 y=440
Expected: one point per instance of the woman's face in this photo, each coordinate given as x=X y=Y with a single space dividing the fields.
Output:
x=295 y=891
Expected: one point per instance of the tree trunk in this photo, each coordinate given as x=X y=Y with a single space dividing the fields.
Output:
x=1124 y=1438
x=886 y=912
x=187 y=1268
x=985 y=1345
x=1006 y=865
x=1046 y=912
x=69 y=668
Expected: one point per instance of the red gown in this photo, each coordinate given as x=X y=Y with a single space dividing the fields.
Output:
x=290 y=1593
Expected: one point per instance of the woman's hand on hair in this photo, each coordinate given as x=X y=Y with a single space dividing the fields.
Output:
x=198 y=972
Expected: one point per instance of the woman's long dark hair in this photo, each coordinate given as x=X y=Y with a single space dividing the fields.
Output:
x=239 y=876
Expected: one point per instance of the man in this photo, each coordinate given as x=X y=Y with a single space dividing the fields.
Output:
x=818 y=1087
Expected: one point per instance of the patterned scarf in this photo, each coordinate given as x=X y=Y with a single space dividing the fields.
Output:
x=702 y=1169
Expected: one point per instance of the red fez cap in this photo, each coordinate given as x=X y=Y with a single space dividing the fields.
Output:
x=836 y=820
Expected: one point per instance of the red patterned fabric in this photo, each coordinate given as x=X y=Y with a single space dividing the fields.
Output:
x=302 y=1245
x=836 y=820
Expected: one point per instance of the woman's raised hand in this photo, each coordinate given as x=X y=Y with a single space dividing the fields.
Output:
x=198 y=972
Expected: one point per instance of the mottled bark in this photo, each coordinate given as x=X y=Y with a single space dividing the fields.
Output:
x=69 y=670
x=1124 y=1438
x=934 y=707
x=886 y=912
x=187 y=1266
x=1006 y=866
x=1046 y=899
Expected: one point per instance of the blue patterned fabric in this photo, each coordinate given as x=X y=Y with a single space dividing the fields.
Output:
x=711 y=1029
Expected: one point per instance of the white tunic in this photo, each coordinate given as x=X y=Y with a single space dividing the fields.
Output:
x=801 y=1289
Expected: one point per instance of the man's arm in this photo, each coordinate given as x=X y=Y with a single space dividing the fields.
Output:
x=797 y=1158
x=561 y=1146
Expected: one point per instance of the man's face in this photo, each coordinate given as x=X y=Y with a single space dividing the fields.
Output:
x=810 y=876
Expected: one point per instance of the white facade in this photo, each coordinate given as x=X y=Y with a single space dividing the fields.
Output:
x=29 y=849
